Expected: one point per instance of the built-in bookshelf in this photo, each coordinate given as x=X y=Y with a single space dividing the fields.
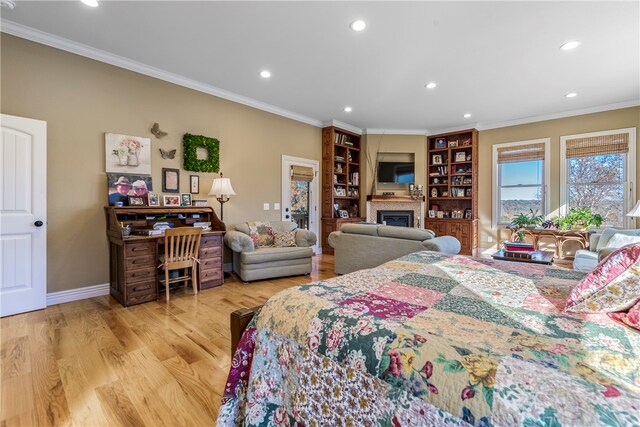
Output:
x=452 y=187
x=341 y=159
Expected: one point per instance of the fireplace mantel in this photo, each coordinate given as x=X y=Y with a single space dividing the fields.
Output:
x=395 y=198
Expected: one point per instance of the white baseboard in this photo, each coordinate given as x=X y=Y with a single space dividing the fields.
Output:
x=77 y=294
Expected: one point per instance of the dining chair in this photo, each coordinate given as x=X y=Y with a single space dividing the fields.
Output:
x=181 y=247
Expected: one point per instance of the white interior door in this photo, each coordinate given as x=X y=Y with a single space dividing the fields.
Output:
x=304 y=210
x=23 y=208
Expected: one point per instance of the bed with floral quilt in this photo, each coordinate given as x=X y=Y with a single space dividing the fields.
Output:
x=434 y=339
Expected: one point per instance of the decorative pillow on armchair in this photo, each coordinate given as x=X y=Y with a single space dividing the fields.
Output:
x=261 y=233
x=630 y=318
x=285 y=239
x=613 y=286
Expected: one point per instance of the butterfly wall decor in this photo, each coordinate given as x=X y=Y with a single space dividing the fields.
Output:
x=157 y=132
x=168 y=154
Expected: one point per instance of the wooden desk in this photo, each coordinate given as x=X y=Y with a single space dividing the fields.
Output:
x=133 y=260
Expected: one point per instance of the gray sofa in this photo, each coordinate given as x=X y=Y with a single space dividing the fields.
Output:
x=599 y=247
x=251 y=263
x=360 y=246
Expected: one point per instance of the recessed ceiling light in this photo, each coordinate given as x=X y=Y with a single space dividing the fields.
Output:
x=91 y=3
x=265 y=74
x=571 y=95
x=430 y=85
x=466 y=116
x=348 y=109
x=570 y=45
x=358 y=25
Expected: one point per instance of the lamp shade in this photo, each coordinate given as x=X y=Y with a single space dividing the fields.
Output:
x=221 y=187
x=635 y=212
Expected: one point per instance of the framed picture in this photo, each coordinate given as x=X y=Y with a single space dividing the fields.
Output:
x=343 y=213
x=200 y=202
x=170 y=180
x=136 y=201
x=154 y=200
x=441 y=143
x=195 y=184
x=171 y=200
x=445 y=194
x=185 y=199
x=123 y=186
x=435 y=207
x=467 y=192
x=461 y=156
x=127 y=154
x=432 y=214
x=341 y=192
x=440 y=214
x=466 y=141
x=453 y=143
x=434 y=192
x=436 y=159
x=467 y=213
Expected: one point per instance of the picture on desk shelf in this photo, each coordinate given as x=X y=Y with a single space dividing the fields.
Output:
x=185 y=199
x=436 y=159
x=432 y=214
x=127 y=154
x=461 y=156
x=136 y=201
x=154 y=200
x=440 y=214
x=467 y=214
x=343 y=213
x=171 y=201
x=441 y=143
x=122 y=186
x=200 y=202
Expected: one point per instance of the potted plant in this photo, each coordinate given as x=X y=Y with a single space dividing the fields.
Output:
x=530 y=220
x=578 y=219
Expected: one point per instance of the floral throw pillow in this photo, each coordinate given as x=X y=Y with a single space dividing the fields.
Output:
x=613 y=286
x=261 y=233
x=630 y=318
x=285 y=239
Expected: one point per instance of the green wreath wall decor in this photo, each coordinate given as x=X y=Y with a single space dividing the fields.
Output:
x=191 y=143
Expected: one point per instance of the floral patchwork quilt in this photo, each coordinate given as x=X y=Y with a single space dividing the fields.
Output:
x=434 y=339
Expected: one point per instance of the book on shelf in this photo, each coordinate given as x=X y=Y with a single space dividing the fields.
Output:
x=147 y=232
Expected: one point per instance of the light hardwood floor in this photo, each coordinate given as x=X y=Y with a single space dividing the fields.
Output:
x=95 y=363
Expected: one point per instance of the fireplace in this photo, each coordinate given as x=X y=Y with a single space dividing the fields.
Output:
x=397 y=218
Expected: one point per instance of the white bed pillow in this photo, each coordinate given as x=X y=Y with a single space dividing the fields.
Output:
x=619 y=240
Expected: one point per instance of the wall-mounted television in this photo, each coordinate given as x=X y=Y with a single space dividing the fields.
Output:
x=396 y=172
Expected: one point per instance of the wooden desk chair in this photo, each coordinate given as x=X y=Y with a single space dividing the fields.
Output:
x=181 y=247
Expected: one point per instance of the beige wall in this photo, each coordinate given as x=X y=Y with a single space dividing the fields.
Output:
x=553 y=129
x=81 y=99
x=402 y=146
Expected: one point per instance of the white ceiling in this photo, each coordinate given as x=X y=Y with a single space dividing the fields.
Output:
x=499 y=61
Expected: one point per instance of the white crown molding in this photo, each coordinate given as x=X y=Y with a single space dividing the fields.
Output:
x=77 y=294
x=561 y=115
x=454 y=129
x=61 y=43
x=417 y=132
x=342 y=125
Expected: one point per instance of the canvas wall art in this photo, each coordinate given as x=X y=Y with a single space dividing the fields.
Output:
x=121 y=186
x=127 y=154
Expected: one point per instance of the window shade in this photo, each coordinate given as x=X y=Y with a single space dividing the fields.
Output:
x=521 y=153
x=301 y=173
x=598 y=145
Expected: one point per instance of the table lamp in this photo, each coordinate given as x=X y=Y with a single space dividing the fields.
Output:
x=635 y=212
x=222 y=189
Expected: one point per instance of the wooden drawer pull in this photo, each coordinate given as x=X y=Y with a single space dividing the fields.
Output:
x=141 y=288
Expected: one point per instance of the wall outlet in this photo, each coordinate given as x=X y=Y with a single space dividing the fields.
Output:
x=265 y=206
x=489 y=239
x=276 y=206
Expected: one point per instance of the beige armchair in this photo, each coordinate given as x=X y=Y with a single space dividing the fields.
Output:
x=601 y=245
x=251 y=263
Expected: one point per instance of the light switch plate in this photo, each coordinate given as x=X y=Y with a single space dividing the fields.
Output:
x=265 y=206
x=276 y=206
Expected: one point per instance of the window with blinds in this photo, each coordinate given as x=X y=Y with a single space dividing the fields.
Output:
x=597 y=172
x=519 y=177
